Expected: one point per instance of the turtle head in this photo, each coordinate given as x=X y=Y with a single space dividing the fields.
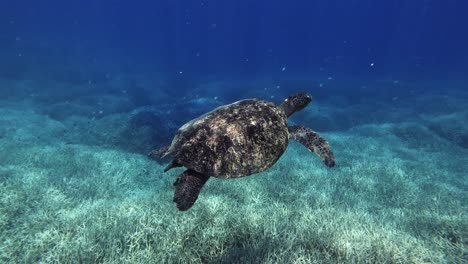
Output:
x=295 y=102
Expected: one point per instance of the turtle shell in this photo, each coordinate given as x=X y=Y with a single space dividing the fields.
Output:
x=234 y=140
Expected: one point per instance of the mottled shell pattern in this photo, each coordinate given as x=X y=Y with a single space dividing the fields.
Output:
x=234 y=140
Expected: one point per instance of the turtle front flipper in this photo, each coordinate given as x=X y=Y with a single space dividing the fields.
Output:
x=314 y=142
x=187 y=187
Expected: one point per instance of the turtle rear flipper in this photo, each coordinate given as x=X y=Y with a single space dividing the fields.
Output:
x=314 y=142
x=188 y=186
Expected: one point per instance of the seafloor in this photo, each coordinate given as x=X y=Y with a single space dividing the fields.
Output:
x=76 y=185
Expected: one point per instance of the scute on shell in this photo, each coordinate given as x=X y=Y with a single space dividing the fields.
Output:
x=232 y=141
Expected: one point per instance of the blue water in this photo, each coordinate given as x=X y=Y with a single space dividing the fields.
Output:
x=85 y=77
x=239 y=40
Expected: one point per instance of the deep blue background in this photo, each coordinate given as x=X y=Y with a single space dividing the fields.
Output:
x=405 y=40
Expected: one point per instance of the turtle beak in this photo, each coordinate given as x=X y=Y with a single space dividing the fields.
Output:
x=308 y=98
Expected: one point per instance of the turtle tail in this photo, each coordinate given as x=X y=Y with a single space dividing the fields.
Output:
x=159 y=153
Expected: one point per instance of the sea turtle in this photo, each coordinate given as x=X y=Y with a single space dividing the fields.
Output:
x=237 y=140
